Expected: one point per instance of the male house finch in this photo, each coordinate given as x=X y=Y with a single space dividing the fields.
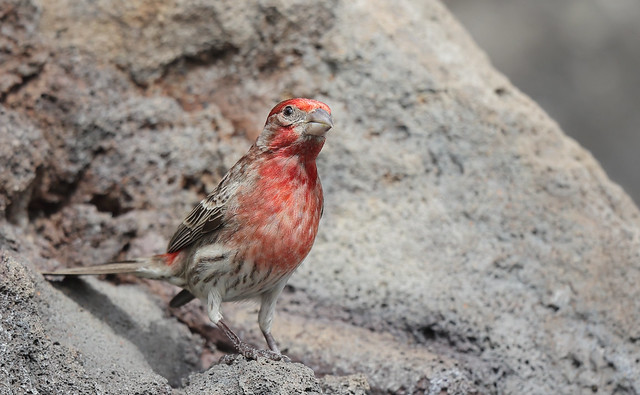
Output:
x=249 y=235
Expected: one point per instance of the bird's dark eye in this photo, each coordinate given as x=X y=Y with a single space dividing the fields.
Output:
x=288 y=110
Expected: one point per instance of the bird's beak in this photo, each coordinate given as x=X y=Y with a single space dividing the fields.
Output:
x=318 y=122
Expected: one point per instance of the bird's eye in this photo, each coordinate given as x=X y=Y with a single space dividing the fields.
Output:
x=288 y=110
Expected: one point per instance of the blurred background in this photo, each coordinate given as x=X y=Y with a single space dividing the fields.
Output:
x=580 y=60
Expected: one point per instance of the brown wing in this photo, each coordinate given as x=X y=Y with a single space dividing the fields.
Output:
x=209 y=215
x=206 y=217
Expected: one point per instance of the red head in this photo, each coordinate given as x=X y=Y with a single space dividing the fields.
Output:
x=296 y=126
x=306 y=105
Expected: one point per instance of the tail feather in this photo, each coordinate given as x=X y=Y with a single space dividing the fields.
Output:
x=132 y=266
x=181 y=298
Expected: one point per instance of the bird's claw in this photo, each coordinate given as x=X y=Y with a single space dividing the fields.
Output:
x=229 y=359
x=253 y=353
x=274 y=356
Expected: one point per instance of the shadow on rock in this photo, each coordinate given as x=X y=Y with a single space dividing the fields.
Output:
x=165 y=354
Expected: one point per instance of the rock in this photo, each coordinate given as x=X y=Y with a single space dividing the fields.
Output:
x=269 y=377
x=19 y=173
x=109 y=315
x=20 y=59
x=336 y=347
x=467 y=245
x=563 y=61
x=354 y=384
x=35 y=359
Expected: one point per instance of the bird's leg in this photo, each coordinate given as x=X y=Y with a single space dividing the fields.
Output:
x=265 y=316
x=248 y=351
x=271 y=342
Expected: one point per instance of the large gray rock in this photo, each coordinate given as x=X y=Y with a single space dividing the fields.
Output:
x=467 y=244
x=36 y=359
x=579 y=61
x=267 y=377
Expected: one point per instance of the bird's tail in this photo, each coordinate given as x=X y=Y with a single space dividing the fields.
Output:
x=154 y=267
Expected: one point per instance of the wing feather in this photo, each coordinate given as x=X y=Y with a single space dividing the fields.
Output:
x=205 y=218
x=209 y=215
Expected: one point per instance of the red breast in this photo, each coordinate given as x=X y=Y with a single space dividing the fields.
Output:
x=278 y=218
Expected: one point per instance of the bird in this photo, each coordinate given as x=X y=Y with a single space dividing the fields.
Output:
x=249 y=235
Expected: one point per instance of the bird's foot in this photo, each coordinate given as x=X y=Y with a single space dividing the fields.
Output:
x=274 y=356
x=229 y=359
x=250 y=353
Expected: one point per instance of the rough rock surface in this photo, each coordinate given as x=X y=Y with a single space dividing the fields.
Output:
x=35 y=359
x=579 y=61
x=467 y=245
x=268 y=377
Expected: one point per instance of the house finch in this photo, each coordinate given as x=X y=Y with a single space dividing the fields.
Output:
x=249 y=235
